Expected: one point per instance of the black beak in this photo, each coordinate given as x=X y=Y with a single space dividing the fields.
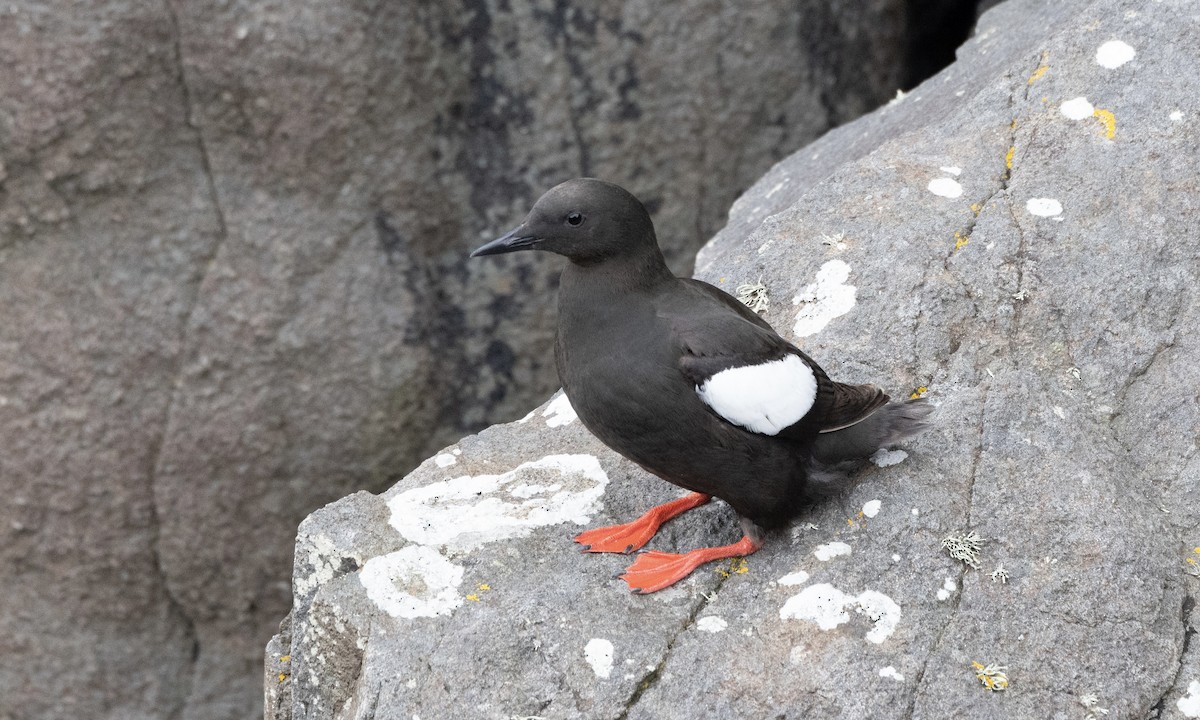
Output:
x=517 y=239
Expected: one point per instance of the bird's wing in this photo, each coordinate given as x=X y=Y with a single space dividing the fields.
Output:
x=753 y=378
x=742 y=369
x=729 y=302
x=850 y=405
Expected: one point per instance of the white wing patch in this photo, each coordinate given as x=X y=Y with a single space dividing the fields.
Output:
x=762 y=398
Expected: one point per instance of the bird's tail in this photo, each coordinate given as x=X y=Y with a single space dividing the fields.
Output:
x=835 y=454
x=888 y=425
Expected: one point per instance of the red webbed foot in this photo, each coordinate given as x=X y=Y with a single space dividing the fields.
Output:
x=653 y=571
x=630 y=536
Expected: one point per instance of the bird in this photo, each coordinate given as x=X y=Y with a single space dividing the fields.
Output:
x=687 y=382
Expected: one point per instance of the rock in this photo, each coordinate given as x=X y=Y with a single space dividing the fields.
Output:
x=232 y=245
x=96 y=285
x=1057 y=345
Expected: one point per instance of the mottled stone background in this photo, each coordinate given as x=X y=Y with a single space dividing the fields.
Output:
x=233 y=285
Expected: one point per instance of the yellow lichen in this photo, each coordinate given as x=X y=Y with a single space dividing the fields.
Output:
x=285 y=658
x=473 y=597
x=1008 y=157
x=1037 y=74
x=993 y=677
x=918 y=393
x=960 y=240
x=737 y=566
x=975 y=208
x=282 y=677
x=483 y=586
x=1109 y=120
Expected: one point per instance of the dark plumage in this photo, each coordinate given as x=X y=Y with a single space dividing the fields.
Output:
x=687 y=382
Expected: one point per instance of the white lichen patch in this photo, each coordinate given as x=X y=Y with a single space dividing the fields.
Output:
x=964 y=546
x=887 y=458
x=953 y=170
x=525 y=490
x=1000 y=575
x=754 y=296
x=871 y=508
x=445 y=460
x=324 y=557
x=822 y=604
x=829 y=551
x=890 y=672
x=945 y=187
x=827 y=298
x=797 y=578
x=1044 y=207
x=1189 y=704
x=829 y=607
x=1077 y=109
x=412 y=582
x=559 y=412
x=948 y=587
x=837 y=240
x=1176 y=116
x=1114 y=53
x=711 y=623
x=882 y=610
x=1091 y=703
x=465 y=512
x=599 y=654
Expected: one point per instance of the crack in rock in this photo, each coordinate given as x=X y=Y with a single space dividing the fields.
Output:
x=1185 y=616
x=650 y=679
x=156 y=452
x=962 y=569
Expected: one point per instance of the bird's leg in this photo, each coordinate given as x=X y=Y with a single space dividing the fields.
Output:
x=631 y=536
x=653 y=571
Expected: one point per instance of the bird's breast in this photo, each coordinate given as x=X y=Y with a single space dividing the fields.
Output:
x=619 y=374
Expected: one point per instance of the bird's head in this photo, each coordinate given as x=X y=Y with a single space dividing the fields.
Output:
x=585 y=220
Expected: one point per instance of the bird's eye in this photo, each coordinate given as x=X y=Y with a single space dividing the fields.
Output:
x=574 y=219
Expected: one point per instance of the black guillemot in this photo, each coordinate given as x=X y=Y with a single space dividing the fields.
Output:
x=687 y=382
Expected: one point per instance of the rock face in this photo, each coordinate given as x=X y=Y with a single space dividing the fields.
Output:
x=1010 y=238
x=231 y=270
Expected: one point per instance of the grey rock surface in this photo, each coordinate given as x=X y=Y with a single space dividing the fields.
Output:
x=1024 y=257
x=231 y=272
